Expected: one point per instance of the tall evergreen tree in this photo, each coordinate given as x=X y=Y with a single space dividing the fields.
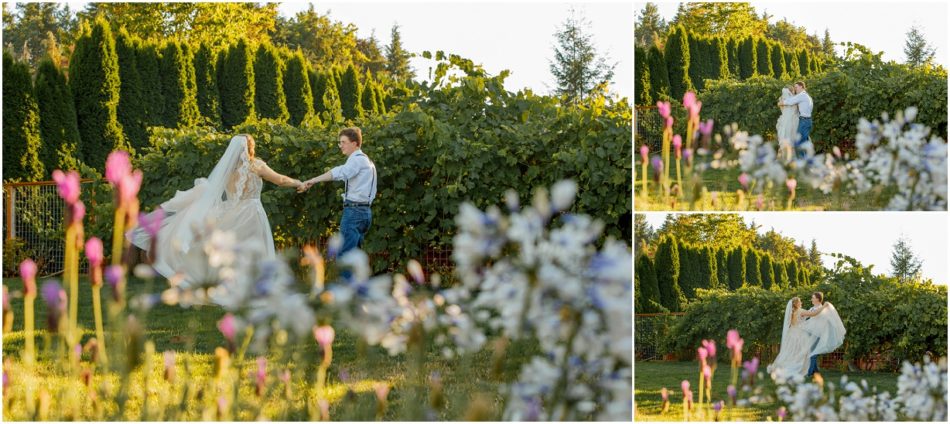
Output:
x=208 y=98
x=297 y=89
x=94 y=82
x=148 y=60
x=747 y=58
x=804 y=63
x=131 y=110
x=667 y=275
x=736 y=269
x=763 y=57
x=752 y=276
x=650 y=27
x=720 y=59
x=905 y=265
x=916 y=48
x=351 y=94
x=766 y=272
x=659 y=78
x=707 y=269
x=577 y=66
x=778 y=62
x=21 y=123
x=641 y=80
x=369 y=95
x=397 y=58
x=791 y=268
x=687 y=275
x=791 y=64
x=270 y=102
x=677 y=62
x=697 y=59
x=722 y=268
x=649 y=293
x=380 y=97
x=236 y=85
x=828 y=46
x=732 y=50
x=178 y=86
x=781 y=276
x=58 y=128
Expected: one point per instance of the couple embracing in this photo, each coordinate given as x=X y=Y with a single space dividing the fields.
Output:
x=230 y=199
x=795 y=123
x=805 y=335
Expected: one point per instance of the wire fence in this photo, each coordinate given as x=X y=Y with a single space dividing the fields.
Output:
x=33 y=224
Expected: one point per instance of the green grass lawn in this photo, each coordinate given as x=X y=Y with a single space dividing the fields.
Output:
x=651 y=377
x=725 y=182
x=193 y=335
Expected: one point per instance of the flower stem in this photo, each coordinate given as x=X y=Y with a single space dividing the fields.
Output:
x=100 y=333
x=29 y=354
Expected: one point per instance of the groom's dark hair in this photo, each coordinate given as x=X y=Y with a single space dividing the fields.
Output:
x=353 y=134
x=821 y=297
x=801 y=83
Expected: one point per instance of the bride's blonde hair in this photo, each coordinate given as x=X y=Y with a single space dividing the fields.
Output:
x=796 y=305
x=250 y=145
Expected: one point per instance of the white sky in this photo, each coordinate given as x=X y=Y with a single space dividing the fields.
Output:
x=866 y=236
x=881 y=26
x=514 y=36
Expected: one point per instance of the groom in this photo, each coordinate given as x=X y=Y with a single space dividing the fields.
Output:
x=359 y=181
x=805 y=108
x=817 y=300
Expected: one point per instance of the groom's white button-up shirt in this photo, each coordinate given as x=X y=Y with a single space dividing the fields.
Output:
x=804 y=102
x=359 y=175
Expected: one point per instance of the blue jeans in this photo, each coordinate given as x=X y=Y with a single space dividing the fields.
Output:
x=804 y=131
x=813 y=366
x=353 y=226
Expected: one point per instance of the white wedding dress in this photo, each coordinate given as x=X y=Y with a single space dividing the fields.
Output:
x=802 y=339
x=228 y=200
x=786 y=128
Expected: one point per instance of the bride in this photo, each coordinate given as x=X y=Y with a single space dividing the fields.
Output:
x=787 y=126
x=230 y=198
x=805 y=334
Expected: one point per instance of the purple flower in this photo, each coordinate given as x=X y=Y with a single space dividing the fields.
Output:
x=55 y=298
x=718 y=406
x=751 y=366
x=731 y=391
x=782 y=413
x=114 y=275
x=152 y=222
x=687 y=154
x=705 y=128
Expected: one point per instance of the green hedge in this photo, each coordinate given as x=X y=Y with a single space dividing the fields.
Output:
x=842 y=96
x=879 y=313
x=431 y=156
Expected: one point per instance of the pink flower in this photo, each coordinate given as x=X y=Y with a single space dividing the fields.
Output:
x=663 y=108
x=261 y=376
x=791 y=184
x=668 y=121
x=117 y=167
x=744 y=180
x=77 y=211
x=382 y=391
x=94 y=252
x=687 y=153
x=707 y=374
x=67 y=184
x=759 y=202
x=705 y=128
x=227 y=327
x=678 y=145
x=324 y=335
x=685 y=386
x=644 y=152
x=415 y=271
x=703 y=354
x=169 y=357
x=152 y=222
x=710 y=346
x=782 y=413
x=692 y=105
x=665 y=394
x=28 y=274
x=129 y=187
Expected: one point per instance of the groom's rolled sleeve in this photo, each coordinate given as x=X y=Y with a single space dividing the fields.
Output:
x=346 y=171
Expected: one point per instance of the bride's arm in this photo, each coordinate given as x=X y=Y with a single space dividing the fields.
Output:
x=270 y=175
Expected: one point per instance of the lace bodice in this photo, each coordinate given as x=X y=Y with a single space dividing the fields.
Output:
x=246 y=183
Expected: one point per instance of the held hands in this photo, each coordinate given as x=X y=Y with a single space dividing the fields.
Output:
x=304 y=186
